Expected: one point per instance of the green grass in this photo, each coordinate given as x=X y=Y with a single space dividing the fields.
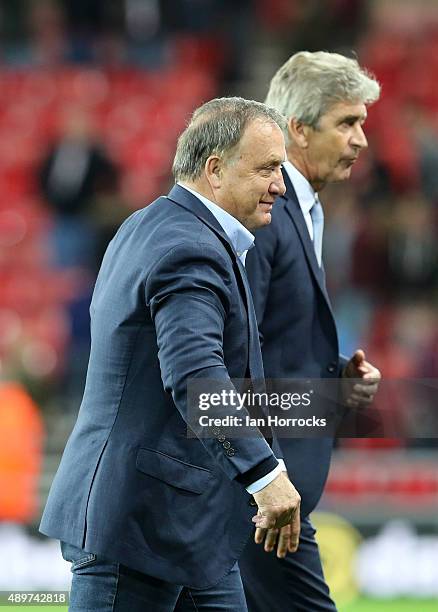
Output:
x=361 y=605
x=17 y=608
x=392 y=605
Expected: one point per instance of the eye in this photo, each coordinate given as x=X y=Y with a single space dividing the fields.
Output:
x=266 y=171
x=347 y=121
x=270 y=169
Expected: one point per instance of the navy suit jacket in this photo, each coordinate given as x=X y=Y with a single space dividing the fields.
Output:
x=297 y=329
x=171 y=302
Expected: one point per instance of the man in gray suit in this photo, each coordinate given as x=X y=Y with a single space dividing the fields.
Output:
x=150 y=518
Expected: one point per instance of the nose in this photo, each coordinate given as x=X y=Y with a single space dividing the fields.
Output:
x=277 y=187
x=359 y=139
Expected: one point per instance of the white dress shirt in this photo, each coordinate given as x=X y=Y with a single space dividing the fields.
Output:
x=305 y=193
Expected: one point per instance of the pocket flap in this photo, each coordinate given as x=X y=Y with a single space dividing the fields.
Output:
x=173 y=471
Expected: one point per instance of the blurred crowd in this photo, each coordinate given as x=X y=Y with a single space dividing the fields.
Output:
x=381 y=232
x=93 y=94
x=114 y=33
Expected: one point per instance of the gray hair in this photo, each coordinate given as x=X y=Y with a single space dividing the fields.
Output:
x=216 y=128
x=308 y=84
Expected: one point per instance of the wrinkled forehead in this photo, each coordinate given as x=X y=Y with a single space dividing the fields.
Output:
x=261 y=131
x=264 y=139
x=346 y=109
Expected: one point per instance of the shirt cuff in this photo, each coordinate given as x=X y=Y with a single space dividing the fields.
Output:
x=261 y=483
x=283 y=465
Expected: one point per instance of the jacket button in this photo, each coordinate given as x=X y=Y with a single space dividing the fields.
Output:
x=231 y=452
x=221 y=439
x=331 y=368
x=226 y=445
x=215 y=431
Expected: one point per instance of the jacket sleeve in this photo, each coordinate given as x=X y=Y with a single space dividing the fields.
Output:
x=189 y=293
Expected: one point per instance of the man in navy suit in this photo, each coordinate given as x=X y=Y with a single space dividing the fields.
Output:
x=150 y=518
x=324 y=97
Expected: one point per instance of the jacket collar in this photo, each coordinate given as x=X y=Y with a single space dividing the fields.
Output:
x=293 y=208
x=240 y=237
x=190 y=202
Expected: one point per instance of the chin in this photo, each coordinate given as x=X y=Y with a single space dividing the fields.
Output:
x=347 y=173
x=342 y=176
x=265 y=219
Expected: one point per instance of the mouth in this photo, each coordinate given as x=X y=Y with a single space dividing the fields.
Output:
x=350 y=160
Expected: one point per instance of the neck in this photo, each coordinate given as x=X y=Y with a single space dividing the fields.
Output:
x=203 y=187
x=299 y=160
x=200 y=186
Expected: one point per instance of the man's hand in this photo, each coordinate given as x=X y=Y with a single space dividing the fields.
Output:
x=286 y=538
x=279 y=508
x=359 y=395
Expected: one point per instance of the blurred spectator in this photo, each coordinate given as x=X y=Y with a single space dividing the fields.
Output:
x=145 y=32
x=48 y=36
x=316 y=24
x=424 y=131
x=223 y=28
x=369 y=250
x=76 y=177
x=342 y=222
x=89 y=21
x=21 y=446
x=428 y=362
x=80 y=185
x=412 y=247
x=372 y=180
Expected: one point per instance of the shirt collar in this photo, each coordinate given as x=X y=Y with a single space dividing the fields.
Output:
x=241 y=238
x=305 y=193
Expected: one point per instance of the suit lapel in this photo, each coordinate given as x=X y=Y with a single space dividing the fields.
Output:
x=187 y=200
x=294 y=210
x=255 y=362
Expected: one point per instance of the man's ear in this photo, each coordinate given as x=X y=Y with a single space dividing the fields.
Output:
x=213 y=171
x=298 y=132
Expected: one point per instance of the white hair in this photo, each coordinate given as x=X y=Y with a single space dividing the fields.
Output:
x=216 y=128
x=308 y=84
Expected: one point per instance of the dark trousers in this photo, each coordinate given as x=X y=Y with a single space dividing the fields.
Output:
x=293 y=584
x=106 y=586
